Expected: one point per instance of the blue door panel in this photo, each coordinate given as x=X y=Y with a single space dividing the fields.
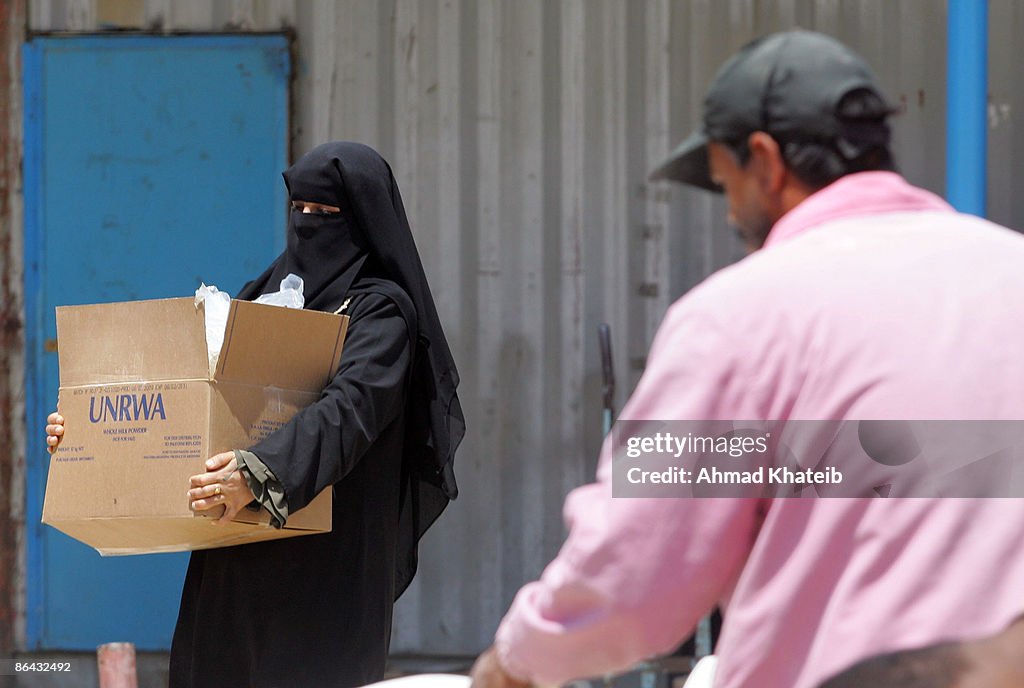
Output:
x=151 y=164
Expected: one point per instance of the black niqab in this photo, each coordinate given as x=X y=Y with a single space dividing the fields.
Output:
x=350 y=252
x=326 y=251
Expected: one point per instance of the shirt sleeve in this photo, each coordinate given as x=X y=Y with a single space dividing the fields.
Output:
x=635 y=575
x=265 y=487
x=322 y=443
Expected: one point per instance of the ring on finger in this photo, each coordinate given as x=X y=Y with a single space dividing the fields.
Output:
x=217 y=490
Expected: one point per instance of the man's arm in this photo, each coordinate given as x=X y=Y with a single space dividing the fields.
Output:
x=631 y=582
x=635 y=575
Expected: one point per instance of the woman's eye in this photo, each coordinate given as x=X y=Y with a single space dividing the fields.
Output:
x=308 y=210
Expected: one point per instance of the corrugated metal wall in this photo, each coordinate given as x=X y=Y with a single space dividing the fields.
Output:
x=521 y=132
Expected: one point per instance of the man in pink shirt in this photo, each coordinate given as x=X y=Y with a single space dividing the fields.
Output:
x=865 y=298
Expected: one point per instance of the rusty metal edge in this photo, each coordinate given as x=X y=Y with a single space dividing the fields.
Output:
x=12 y=32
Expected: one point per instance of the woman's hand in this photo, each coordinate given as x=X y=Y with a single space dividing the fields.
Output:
x=222 y=485
x=54 y=431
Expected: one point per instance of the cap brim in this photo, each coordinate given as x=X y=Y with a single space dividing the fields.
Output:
x=688 y=164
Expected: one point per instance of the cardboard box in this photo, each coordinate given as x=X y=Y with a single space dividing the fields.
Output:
x=143 y=412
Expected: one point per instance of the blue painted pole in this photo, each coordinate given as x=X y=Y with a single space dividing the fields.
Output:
x=967 y=105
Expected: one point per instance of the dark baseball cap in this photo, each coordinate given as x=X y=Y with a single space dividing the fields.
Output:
x=789 y=85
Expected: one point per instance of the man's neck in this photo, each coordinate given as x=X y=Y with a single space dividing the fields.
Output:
x=794 y=192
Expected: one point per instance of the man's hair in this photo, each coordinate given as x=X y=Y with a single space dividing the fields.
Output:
x=863 y=148
x=936 y=666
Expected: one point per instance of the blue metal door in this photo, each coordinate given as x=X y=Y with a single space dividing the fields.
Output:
x=151 y=163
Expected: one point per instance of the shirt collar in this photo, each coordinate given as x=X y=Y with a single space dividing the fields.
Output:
x=862 y=193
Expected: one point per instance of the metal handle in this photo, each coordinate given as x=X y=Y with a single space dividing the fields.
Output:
x=604 y=336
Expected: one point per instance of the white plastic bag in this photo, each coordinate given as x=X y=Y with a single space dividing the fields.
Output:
x=217 y=305
x=290 y=295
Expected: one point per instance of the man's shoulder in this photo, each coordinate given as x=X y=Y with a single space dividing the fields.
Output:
x=737 y=287
x=794 y=280
x=848 y=265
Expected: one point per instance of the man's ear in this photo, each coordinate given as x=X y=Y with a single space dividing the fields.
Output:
x=766 y=159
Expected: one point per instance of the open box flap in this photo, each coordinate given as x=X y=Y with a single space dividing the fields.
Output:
x=271 y=346
x=135 y=341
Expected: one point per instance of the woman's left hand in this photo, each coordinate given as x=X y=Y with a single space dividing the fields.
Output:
x=222 y=485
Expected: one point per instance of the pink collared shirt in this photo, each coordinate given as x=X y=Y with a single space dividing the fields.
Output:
x=871 y=299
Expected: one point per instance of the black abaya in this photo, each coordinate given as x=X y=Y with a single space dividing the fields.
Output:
x=315 y=610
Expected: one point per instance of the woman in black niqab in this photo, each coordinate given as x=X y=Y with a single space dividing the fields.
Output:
x=328 y=252
x=316 y=610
